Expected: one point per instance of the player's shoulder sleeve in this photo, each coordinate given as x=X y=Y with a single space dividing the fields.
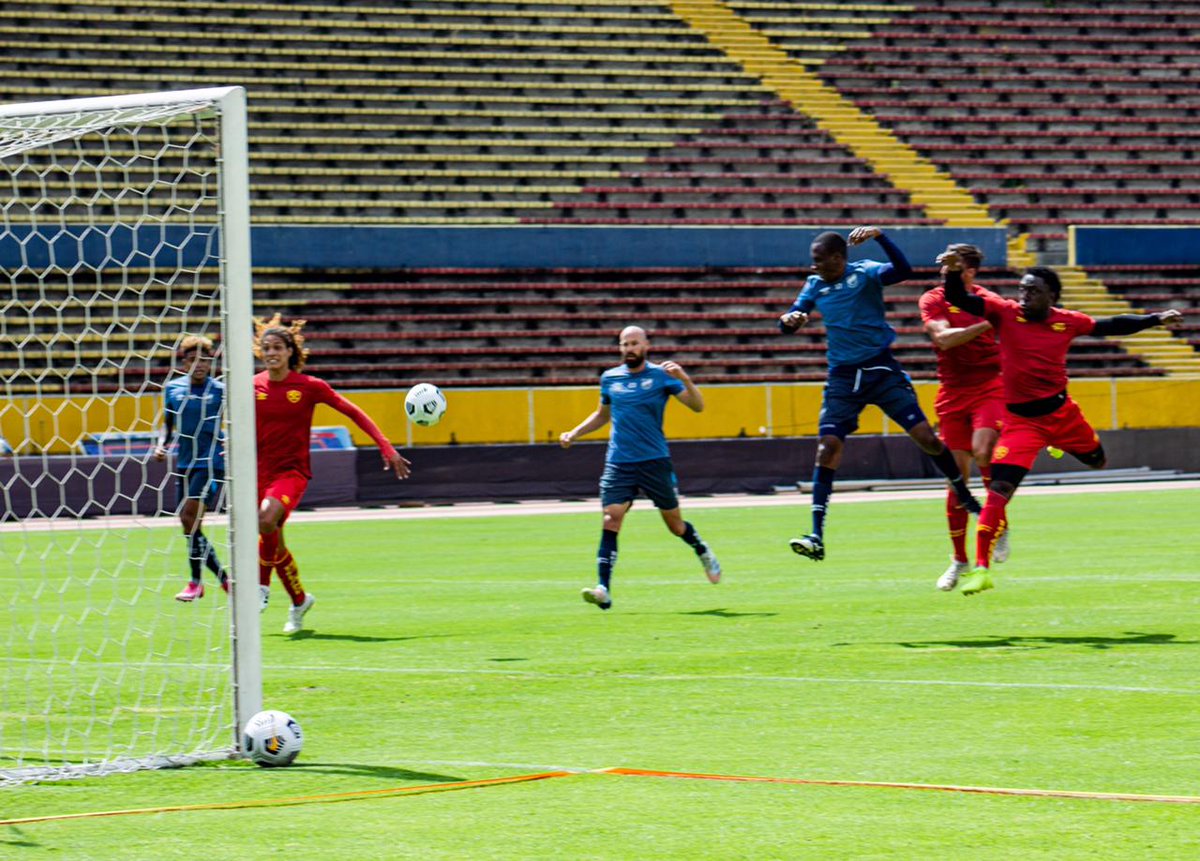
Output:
x=670 y=384
x=321 y=391
x=1080 y=323
x=997 y=307
x=933 y=305
x=605 y=385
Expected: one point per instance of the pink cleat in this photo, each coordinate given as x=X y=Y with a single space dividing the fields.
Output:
x=191 y=592
x=225 y=585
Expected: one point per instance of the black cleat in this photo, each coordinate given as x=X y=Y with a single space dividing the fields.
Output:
x=810 y=546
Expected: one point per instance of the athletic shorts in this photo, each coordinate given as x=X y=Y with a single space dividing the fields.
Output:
x=200 y=482
x=1065 y=428
x=882 y=382
x=287 y=487
x=655 y=479
x=960 y=414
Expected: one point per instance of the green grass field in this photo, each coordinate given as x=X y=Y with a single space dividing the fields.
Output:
x=458 y=649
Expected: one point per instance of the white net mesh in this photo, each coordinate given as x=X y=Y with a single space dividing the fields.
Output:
x=109 y=243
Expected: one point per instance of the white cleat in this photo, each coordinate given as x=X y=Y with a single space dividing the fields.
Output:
x=712 y=568
x=1001 y=551
x=296 y=615
x=949 y=580
x=597 y=595
x=264 y=597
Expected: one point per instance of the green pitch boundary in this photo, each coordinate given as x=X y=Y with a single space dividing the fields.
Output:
x=613 y=771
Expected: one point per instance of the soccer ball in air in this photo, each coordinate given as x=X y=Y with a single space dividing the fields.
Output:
x=272 y=738
x=425 y=404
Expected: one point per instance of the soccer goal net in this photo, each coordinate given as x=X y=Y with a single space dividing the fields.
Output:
x=125 y=230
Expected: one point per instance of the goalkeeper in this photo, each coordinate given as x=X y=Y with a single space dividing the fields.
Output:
x=192 y=405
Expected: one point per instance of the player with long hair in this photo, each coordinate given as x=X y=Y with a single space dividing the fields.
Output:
x=192 y=408
x=284 y=404
x=1034 y=337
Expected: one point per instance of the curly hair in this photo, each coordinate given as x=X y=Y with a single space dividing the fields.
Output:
x=197 y=343
x=290 y=335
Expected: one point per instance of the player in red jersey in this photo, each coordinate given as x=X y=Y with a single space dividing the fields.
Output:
x=1034 y=337
x=970 y=399
x=284 y=404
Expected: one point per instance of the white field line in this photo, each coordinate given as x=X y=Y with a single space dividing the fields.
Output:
x=586 y=506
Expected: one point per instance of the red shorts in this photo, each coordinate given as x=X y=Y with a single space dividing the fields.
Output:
x=1065 y=428
x=287 y=487
x=961 y=414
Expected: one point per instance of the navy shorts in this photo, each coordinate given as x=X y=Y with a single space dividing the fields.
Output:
x=850 y=388
x=621 y=482
x=201 y=482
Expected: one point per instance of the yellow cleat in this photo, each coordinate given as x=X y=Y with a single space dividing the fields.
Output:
x=979 y=581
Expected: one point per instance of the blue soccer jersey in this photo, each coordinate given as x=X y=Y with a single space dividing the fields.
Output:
x=637 y=401
x=195 y=413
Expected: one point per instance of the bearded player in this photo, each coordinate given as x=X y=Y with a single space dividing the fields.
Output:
x=284 y=404
x=970 y=398
x=1034 y=337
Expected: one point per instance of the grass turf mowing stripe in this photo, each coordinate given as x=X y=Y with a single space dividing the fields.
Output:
x=934 y=787
x=299 y=799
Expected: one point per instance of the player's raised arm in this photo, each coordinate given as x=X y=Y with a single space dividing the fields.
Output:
x=690 y=397
x=1130 y=324
x=594 y=422
x=391 y=458
x=897 y=268
x=956 y=289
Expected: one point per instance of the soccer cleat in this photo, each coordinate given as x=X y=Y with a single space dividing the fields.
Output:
x=597 y=595
x=979 y=581
x=810 y=545
x=949 y=580
x=191 y=592
x=264 y=597
x=712 y=568
x=1001 y=551
x=296 y=615
x=1055 y=453
x=225 y=585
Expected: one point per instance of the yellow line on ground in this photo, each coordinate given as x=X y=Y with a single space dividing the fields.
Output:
x=859 y=132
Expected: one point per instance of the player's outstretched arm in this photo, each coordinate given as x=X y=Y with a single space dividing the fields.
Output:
x=391 y=458
x=897 y=268
x=947 y=337
x=690 y=397
x=1130 y=324
x=956 y=289
x=792 y=321
x=594 y=422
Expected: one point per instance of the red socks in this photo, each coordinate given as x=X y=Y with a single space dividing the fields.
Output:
x=269 y=558
x=957 y=517
x=991 y=526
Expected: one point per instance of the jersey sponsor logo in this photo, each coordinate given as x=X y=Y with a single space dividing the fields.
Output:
x=1059 y=327
x=294 y=396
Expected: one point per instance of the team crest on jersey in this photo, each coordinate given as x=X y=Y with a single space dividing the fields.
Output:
x=852 y=281
x=1001 y=451
x=1059 y=327
x=294 y=396
x=647 y=383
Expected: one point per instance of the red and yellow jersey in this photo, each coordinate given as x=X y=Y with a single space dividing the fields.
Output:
x=283 y=420
x=1034 y=354
x=970 y=365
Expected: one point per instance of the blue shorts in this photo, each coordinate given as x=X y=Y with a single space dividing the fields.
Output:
x=654 y=478
x=880 y=381
x=201 y=482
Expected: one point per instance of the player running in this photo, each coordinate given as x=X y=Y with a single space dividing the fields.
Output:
x=633 y=395
x=193 y=405
x=284 y=404
x=970 y=398
x=862 y=369
x=1034 y=338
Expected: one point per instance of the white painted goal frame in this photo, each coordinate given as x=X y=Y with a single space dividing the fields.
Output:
x=227 y=108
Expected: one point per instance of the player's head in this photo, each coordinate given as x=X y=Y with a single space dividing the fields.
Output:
x=278 y=345
x=971 y=257
x=195 y=356
x=634 y=346
x=828 y=252
x=1037 y=291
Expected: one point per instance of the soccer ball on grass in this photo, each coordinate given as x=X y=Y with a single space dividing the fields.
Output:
x=425 y=404
x=272 y=738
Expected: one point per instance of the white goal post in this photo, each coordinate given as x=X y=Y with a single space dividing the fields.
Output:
x=125 y=228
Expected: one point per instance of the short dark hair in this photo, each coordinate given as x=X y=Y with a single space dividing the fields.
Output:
x=1050 y=277
x=830 y=241
x=970 y=255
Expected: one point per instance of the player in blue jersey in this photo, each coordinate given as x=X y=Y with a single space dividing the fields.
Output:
x=633 y=396
x=862 y=369
x=193 y=405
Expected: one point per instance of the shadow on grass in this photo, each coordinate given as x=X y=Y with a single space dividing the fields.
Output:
x=1129 y=638
x=722 y=613
x=355 y=638
x=382 y=772
x=20 y=843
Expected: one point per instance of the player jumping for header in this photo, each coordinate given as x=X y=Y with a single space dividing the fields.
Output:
x=1034 y=337
x=862 y=369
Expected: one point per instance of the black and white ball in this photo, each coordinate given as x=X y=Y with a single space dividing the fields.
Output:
x=272 y=738
x=425 y=404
